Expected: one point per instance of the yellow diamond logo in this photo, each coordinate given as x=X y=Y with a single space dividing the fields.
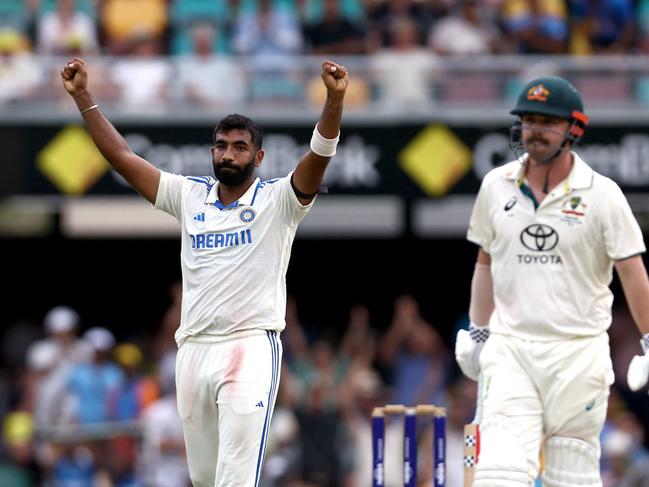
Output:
x=71 y=161
x=435 y=159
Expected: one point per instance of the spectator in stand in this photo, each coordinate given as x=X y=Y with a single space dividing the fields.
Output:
x=137 y=391
x=164 y=341
x=625 y=461
x=320 y=373
x=61 y=324
x=123 y=20
x=13 y=14
x=93 y=385
x=466 y=31
x=310 y=386
x=270 y=29
x=151 y=71
x=47 y=380
x=20 y=73
x=271 y=34
x=382 y=16
x=321 y=426
x=29 y=17
x=414 y=351
x=358 y=344
x=294 y=337
x=362 y=392
x=536 y=26
x=283 y=455
x=67 y=31
x=642 y=18
x=416 y=69
x=333 y=33
x=74 y=465
x=206 y=78
x=602 y=26
x=163 y=459
x=18 y=466
x=64 y=27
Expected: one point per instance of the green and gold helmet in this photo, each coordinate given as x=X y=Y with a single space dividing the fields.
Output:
x=555 y=97
x=551 y=96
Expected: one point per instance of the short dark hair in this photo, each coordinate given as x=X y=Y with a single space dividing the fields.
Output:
x=240 y=122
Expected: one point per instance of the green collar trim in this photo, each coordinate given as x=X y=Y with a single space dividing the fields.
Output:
x=525 y=189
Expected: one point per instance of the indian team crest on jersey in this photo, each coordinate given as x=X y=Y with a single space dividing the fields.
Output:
x=247 y=215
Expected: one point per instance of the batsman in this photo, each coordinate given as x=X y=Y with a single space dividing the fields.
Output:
x=550 y=231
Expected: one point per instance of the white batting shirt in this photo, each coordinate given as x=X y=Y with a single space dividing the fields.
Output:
x=233 y=258
x=552 y=266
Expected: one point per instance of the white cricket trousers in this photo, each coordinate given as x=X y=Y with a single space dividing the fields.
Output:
x=542 y=389
x=226 y=393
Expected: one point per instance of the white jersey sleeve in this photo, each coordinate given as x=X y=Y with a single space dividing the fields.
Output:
x=481 y=230
x=169 y=197
x=289 y=207
x=622 y=234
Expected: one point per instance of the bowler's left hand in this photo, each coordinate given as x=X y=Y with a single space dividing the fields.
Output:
x=335 y=78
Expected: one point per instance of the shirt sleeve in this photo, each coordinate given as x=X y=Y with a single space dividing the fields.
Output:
x=480 y=227
x=622 y=234
x=289 y=206
x=169 y=197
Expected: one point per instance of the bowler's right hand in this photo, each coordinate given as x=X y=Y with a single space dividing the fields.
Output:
x=75 y=77
x=468 y=346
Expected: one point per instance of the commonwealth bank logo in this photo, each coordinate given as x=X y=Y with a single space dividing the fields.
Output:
x=436 y=159
x=71 y=161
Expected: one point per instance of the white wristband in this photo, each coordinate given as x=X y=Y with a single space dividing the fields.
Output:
x=321 y=146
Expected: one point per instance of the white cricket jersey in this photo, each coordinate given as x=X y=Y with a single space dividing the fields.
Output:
x=233 y=258
x=552 y=267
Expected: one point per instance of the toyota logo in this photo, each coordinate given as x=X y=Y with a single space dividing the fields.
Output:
x=539 y=238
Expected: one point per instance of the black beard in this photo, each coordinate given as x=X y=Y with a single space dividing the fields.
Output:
x=234 y=176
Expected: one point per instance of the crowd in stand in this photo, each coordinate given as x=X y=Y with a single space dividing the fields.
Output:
x=206 y=36
x=263 y=27
x=80 y=407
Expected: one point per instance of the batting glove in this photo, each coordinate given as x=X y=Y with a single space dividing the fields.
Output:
x=468 y=346
x=638 y=373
